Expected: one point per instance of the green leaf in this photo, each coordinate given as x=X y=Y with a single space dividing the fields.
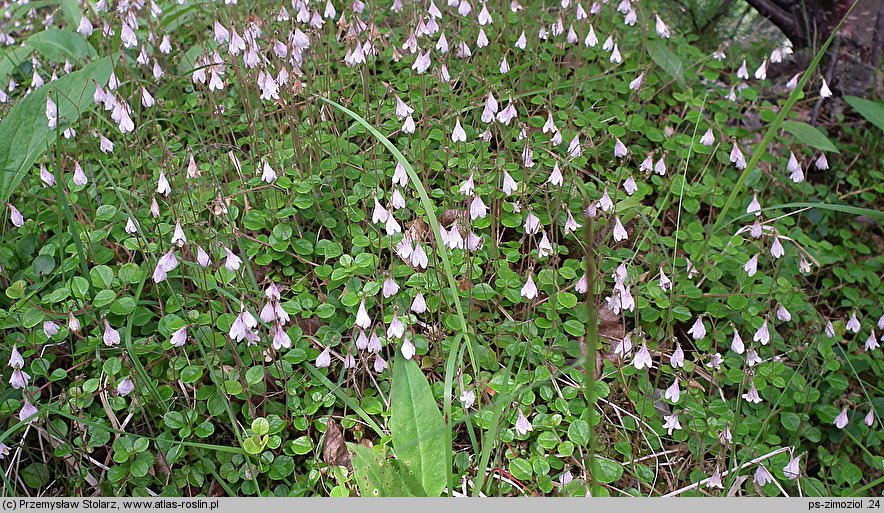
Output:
x=872 y=111
x=58 y=45
x=578 y=432
x=104 y=298
x=376 y=477
x=11 y=59
x=44 y=264
x=790 y=421
x=417 y=428
x=301 y=445
x=608 y=471
x=670 y=62
x=566 y=300
x=72 y=11
x=24 y=131
x=260 y=426
x=809 y=135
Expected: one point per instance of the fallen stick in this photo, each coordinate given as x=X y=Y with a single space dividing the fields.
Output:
x=726 y=472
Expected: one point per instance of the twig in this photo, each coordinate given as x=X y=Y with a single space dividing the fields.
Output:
x=726 y=472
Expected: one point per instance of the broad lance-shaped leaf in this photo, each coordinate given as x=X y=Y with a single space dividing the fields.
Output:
x=418 y=429
x=57 y=45
x=375 y=476
x=25 y=133
x=809 y=135
x=670 y=62
x=871 y=110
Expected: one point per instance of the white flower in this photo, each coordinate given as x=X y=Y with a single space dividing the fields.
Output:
x=643 y=358
x=853 y=324
x=623 y=347
x=478 y=209
x=407 y=349
x=571 y=225
x=111 y=336
x=660 y=167
x=754 y=206
x=698 y=330
x=85 y=28
x=671 y=423
x=362 y=318
x=50 y=329
x=783 y=314
x=419 y=304
x=324 y=359
x=396 y=328
x=268 y=175
x=619 y=232
x=163 y=185
x=544 y=247
x=662 y=29
x=673 y=393
x=379 y=364
x=390 y=288
x=737 y=345
x=15 y=216
x=708 y=138
x=178 y=237
x=620 y=150
x=841 y=419
x=636 y=83
x=677 y=359
x=792 y=470
x=737 y=157
x=51 y=113
x=761 y=72
x=743 y=72
x=232 y=262
x=80 y=178
x=605 y=202
x=752 y=395
x=125 y=387
x=532 y=224
x=763 y=334
x=202 y=258
x=825 y=92
x=179 y=337
x=762 y=476
x=458 y=135
x=529 y=290
x=751 y=267
x=665 y=283
x=523 y=426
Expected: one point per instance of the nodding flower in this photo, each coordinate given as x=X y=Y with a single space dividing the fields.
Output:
x=125 y=387
x=408 y=349
x=853 y=323
x=529 y=290
x=324 y=358
x=362 y=318
x=698 y=330
x=642 y=358
x=523 y=426
x=841 y=420
x=111 y=336
x=792 y=469
x=458 y=135
x=825 y=92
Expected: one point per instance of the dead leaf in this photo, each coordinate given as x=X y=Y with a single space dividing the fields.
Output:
x=334 y=452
